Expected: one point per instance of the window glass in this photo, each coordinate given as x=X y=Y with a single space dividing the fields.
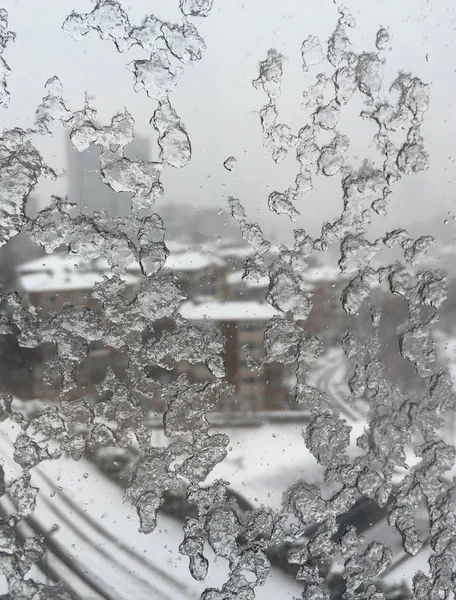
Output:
x=227 y=340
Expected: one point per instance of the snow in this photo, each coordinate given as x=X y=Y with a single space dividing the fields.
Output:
x=65 y=280
x=63 y=272
x=52 y=262
x=98 y=531
x=264 y=461
x=404 y=566
x=235 y=278
x=322 y=273
x=191 y=261
x=227 y=311
x=236 y=252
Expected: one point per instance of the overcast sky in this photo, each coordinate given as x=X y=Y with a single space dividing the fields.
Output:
x=219 y=106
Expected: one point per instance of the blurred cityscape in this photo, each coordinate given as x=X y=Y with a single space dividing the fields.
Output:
x=262 y=418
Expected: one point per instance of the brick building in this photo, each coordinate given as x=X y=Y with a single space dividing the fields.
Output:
x=246 y=289
x=242 y=324
x=327 y=318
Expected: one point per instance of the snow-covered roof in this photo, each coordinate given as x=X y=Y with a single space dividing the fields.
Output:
x=178 y=246
x=190 y=261
x=49 y=262
x=235 y=278
x=60 y=281
x=322 y=273
x=61 y=271
x=236 y=251
x=228 y=311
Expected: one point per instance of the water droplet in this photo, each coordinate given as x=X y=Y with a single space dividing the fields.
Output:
x=230 y=163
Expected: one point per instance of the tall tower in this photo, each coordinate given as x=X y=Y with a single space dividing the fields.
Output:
x=85 y=187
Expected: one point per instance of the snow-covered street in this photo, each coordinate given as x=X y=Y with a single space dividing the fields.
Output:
x=92 y=533
x=94 y=544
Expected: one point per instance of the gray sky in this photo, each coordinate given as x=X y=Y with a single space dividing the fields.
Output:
x=219 y=106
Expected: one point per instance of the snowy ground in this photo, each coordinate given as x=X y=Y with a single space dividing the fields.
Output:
x=97 y=532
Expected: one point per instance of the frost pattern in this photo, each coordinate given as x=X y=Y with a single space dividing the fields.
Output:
x=175 y=148
x=21 y=166
x=126 y=322
x=5 y=37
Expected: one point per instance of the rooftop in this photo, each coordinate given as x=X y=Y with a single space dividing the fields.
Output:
x=65 y=280
x=235 y=278
x=191 y=261
x=228 y=311
x=50 y=262
x=323 y=273
x=63 y=272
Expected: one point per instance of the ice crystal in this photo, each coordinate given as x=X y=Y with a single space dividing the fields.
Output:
x=175 y=148
x=196 y=8
x=53 y=106
x=5 y=37
x=155 y=75
x=288 y=293
x=107 y=18
x=270 y=74
x=311 y=51
x=382 y=39
x=21 y=166
x=368 y=74
x=282 y=205
x=191 y=343
x=184 y=42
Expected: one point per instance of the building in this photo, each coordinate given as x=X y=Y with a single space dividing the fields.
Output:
x=51 y=282
x=201 y=274
x=85 y=187
x=242 y=324
x=327 y=318
x=237 y=306
x=247 y=289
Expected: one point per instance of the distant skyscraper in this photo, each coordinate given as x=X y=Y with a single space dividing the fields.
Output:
x=85 y=187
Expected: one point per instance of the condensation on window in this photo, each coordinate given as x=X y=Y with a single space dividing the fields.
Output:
x=192 y=405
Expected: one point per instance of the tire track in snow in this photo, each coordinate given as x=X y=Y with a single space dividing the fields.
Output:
x=106 y=535
x=330 y=377
x=105 y=538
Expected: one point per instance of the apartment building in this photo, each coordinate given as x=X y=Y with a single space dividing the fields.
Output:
x=236 y=305
x=51 y=282
x=246 y=289
x=242 y=324
x=327 y=318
